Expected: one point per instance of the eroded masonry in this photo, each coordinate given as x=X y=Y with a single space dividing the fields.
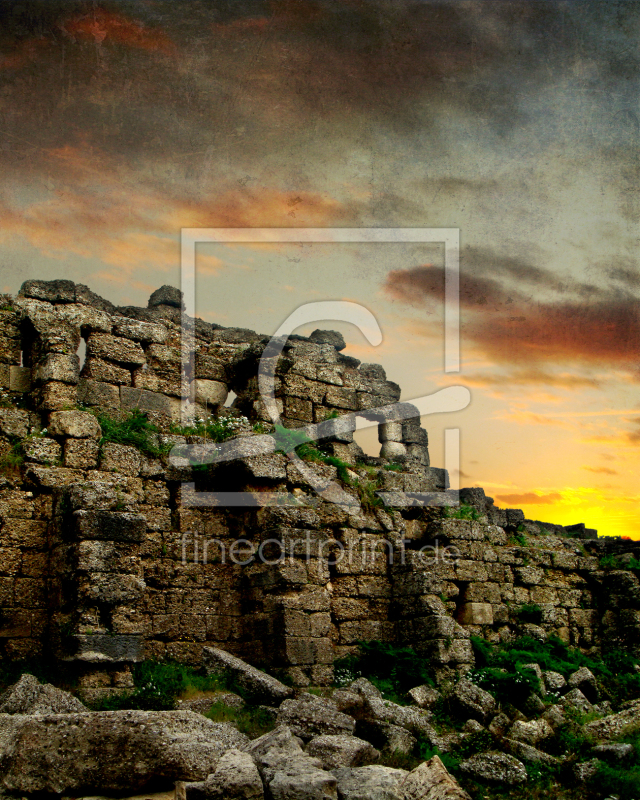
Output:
x=103 y=564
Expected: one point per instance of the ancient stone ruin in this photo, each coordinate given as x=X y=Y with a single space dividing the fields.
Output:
x=105 y=561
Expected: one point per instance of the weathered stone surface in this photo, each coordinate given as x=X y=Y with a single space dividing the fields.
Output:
x=108 y=648
x=29 y=696
x=212 y=394
x=431 y=781
x=236 y=778
x=309 y=716
x=81 y=453
x=495 y=767
x=76 y=424
x=370 y=783
x=613 y=726
x=334 y=338
x=577 y=700
x=258 y=684
x=109 y=751
x=166 y=296
x=476 y=614
x=115 y=348
x=14 y=422
x=121 y=458
x=585 y=680
x=56 y=291
x=554 y=681
x=300 y=779
x=424 y=696
x=42 y=450
x=531 y=732
x=58 y=367
x=140 y=331
x=342 y=751
x=473 y=701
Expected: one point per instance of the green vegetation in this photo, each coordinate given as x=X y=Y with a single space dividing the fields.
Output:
x=393 y=669
x=12 y=459
x=250 y=720
x=463 y=512
x=394 y=467
x=616 y=670
x=519 y=539
x=612 y=561
x=529 y=612
x=134 y=429
x=158 y=684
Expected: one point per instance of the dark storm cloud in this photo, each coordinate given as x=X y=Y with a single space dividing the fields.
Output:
x=587 y=324
x=151 y=79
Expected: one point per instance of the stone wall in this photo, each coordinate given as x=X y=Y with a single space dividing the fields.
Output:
x=104 y=563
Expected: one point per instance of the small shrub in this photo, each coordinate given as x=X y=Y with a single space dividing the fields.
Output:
x=250 y=720
x=134 y=430
x=394 y=467
x=394 y=670
x=614 y=780
x=158 y=684
x=463 y=512
x=217 y=429
x=530 y=612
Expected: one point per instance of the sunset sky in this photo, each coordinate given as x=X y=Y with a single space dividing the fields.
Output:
x=516 y=122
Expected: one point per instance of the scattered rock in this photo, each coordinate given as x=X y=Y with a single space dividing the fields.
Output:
x=472 y=701
x=29 y=696
x=258 y=685
x=585 y=771
x=614 y=726
x=531 y=732
x=236 y=778
x=613 y=752
x=309 y=716
x=109 y=751
x=424 y=696
x=370 y=783
x=575 y=699
x=554 y=681
x=495 y=767
x=585 y=680
x=431 y=781
x=342 y=751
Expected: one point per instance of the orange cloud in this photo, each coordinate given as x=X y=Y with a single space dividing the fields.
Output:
x=529 y=498
x=105 y=26
x=24 y=53
x=602 y=470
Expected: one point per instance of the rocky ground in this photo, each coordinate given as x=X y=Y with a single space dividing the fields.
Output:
x=562 y=738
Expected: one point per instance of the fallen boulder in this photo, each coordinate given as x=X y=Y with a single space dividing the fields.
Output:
x=287 y=771
x=109 y=751
x=308 y=716
x=472 y=701
x=259 y=686
x=236 y=778
x=370 y=783
x=495 y=767
x=613 y=726
x=431 y=781
x=342 y=751
x=29 y=696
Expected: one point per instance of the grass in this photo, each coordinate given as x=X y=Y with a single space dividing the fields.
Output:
x=519 y=539
x=218 y=429
x=392 y=669
x=12 y=460
x=463 y=512
x=253 y=721
x=158 y=684
x=134 y=430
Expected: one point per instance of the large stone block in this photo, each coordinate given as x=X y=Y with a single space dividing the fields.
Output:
x=97 y=393
x=105 y=372
x=117 y=526
x=211 y=393
x=75 y=424
x=152 y=402
x=120 y=458
x=476 y=614
x=58 y=367
x=114 y=348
